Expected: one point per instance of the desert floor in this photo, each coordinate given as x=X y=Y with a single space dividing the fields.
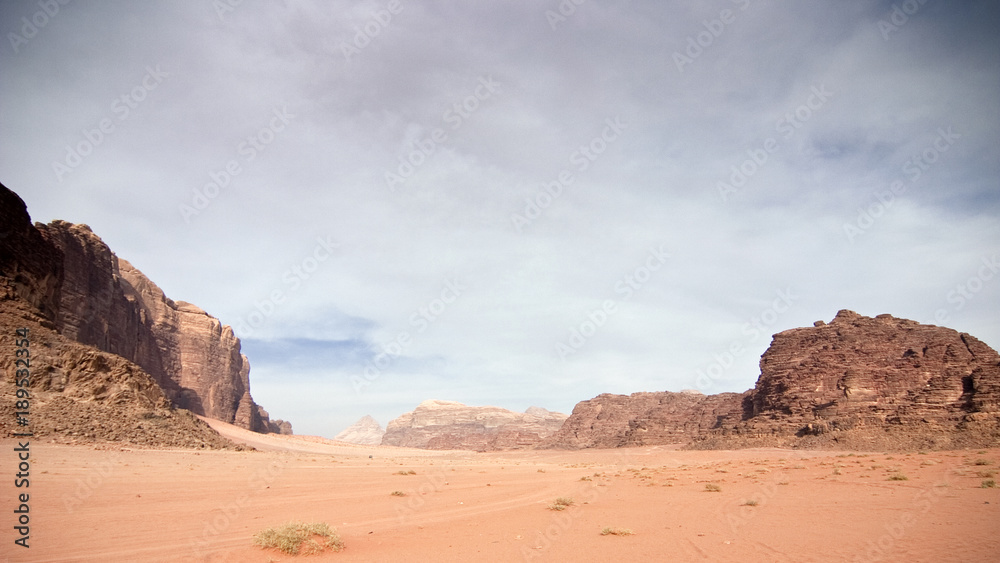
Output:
x=114 y=504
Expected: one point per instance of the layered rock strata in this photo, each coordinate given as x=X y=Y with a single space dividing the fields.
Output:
x=857 y=382
x=447 y=425
x=81 y=289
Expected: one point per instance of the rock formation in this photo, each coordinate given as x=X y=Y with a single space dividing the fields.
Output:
x=81 y=394
x=366 y=432
x=857 y=382
x=614 y=421
x=66 y=275
x=446 y=425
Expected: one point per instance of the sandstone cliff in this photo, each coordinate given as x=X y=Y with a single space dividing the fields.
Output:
x=79 y=394
x=445 y=425
x=857 y=382
x=75 y=283
x=366 y=432
x=614 y=421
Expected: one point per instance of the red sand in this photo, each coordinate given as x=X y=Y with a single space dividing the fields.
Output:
x=92 y=504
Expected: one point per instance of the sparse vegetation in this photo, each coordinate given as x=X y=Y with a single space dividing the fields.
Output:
x=585 y=478
x=298 y=537
x=898 y=477
x=750 y=502
x=982 y=461
x=398 y=494
x=561 y=503
x=403 y=472
x=712 y=488
x=989 y=484
x=617 y=532
x=986 y=473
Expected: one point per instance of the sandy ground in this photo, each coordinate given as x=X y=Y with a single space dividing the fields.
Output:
x=90 y=504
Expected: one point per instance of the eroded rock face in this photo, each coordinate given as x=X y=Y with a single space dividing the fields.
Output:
x=73 y=280
x=639 y=419
x=442 y=425
x=864 y=373
x=80 y=394
x=366 y=432
x=857 y=382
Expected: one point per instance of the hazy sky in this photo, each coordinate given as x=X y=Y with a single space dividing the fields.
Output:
x=518 y=203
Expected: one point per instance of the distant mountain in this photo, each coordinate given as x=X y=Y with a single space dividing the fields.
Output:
x=872 y=383
x=365 y=432
x=447 y=425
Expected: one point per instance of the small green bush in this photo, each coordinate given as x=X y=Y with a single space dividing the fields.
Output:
x=561 y=503
x=298 y=537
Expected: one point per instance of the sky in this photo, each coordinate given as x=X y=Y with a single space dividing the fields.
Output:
x=517 y=203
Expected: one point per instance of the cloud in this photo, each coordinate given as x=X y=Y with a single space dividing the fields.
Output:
x=540 y=164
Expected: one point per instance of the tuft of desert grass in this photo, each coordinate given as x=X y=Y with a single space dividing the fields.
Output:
x=561 y=503
x=712 y=488
x=402 y=472
x=299 y=537
x=617 y=532
x=898 y=477
x=750 y=502
x=398 y=494
x=989 y=484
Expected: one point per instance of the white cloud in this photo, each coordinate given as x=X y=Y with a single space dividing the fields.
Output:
x=655 y=184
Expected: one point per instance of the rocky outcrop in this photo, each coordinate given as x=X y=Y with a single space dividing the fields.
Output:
x=366 y=432
x=614 y=421
x=447 y=425
x=79 y=394
x=85 y=292
x=857 y=382
x=274 y=426
x=885 y=379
